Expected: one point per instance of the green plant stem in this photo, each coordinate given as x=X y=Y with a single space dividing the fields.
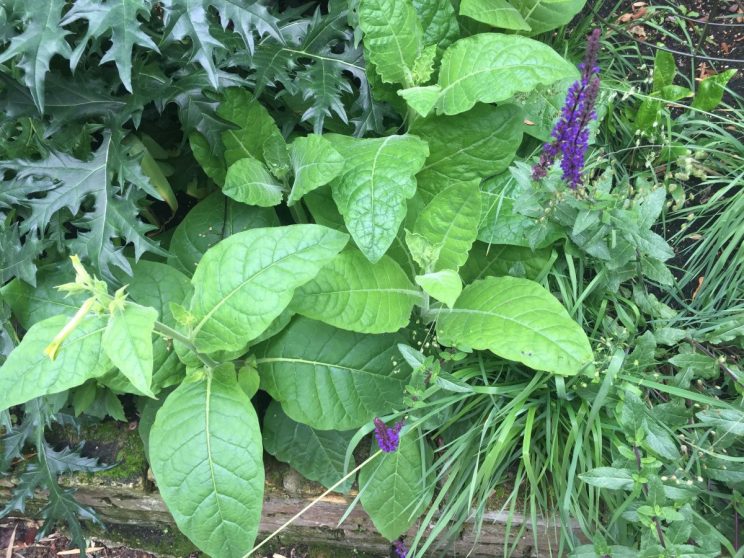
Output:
x=166 y=331
x=659 y=531
x=311 y=504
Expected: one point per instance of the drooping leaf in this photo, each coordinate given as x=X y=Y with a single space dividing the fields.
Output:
x=352 y=293
x=476 y=144
x=317 y=455
x=315 y=163
x=42 y=38
x=396 y=487
x=444 y=285
x=392 y=36
x=209 y=157
x=214 y=218
x=206 y=443
x=127 y=341
x=119 y=20
x=496 y=13
x=331 y=379
x=500 y=259
x=372 y=190
x=542 y=15
x=28 y=372
x=489 y=68
x=518 y=320
x=450 y=221
x=247 y=280
x=249 y=182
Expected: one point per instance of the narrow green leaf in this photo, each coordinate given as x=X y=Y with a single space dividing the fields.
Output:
x=206 y=444
x=396 y=487
x=248 y=279
x=331 y=379
x=128 y=343
x=352 y=293
x=444 y=285
x=474 y=145
x=249 y=182
x=317 y=455
x=315 y=163
x=518 y=320
x=392 y=37
x=496 y=13
x=28 y=372
x=451 y=220
x=491 y=67
x=372 y=190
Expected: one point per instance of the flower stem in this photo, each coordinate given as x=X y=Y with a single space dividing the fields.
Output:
x=166 y=331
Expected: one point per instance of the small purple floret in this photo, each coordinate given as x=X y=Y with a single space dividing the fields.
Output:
x=400 y=549
x=571 y=132
x=387 y=438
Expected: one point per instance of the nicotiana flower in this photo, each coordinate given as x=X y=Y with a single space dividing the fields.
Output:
x=571 y=133
x=387 y=438
x=400 y=549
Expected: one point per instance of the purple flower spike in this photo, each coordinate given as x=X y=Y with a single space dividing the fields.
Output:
x=387 y=438
x=571 y=133
x=400 y=549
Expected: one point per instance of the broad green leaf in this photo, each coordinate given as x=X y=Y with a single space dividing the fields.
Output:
x=710 y=91
x=317 y=455
x=421 y=99
x=314 y=163
x=518 y=320
x=444 y=285
x=214 y=218
x=41 y=39
x=438 y=22
x=544 y=15
x=422 y=250
x=372 y=190
x=249 y=182
x=664 y=69
x=205 y=451
x=728 y=420
x=321 y=206
x=248 y=279
x=491 y=67
x=609 y=477
x=28 y=372
x=499 y=259
x=33 y=304
x=396 y=487
x=392 y=38
x=255 y=129
x=331 y=379
x=496 y=13
x=352 y=293
x=451 y=221
x=249 y=380
x=209 y=158
x=127 y=341
x=474 y=145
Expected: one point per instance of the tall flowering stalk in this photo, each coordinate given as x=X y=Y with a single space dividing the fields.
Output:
x=387 y=438
x=571 y=133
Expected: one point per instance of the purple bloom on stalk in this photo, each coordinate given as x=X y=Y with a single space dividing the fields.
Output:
x=571 y=133
x=387 y=438
x=400 y=549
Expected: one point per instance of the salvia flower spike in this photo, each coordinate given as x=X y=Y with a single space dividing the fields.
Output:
x=400 y=549
x=571 y=132
x=387 y=438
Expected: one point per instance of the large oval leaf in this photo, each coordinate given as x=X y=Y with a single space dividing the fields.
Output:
x=518 y=320
x=544 y=15
x=247 y=280
x=214 y=218
x=249 y=182
x=474 y=145
x=396 y=487
x=314 y=163
x=352 y=293
x=331 y=379
x=317 y=454
x=496 y=13
x=372 y=190
x=205 y=451
x=28 y=372
x=488 y=68
x=450 y=221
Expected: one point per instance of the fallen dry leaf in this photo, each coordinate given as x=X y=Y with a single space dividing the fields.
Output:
x=639 y=31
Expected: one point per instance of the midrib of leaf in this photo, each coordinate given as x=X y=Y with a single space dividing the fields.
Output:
x=462 y=150
x=319 y=57
x=391 y=31
x=372 y=180
x=37 y=62
x=271 y=360
x=66 y=344
x=207 y=406
x=499 y=69
x=378 y=290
